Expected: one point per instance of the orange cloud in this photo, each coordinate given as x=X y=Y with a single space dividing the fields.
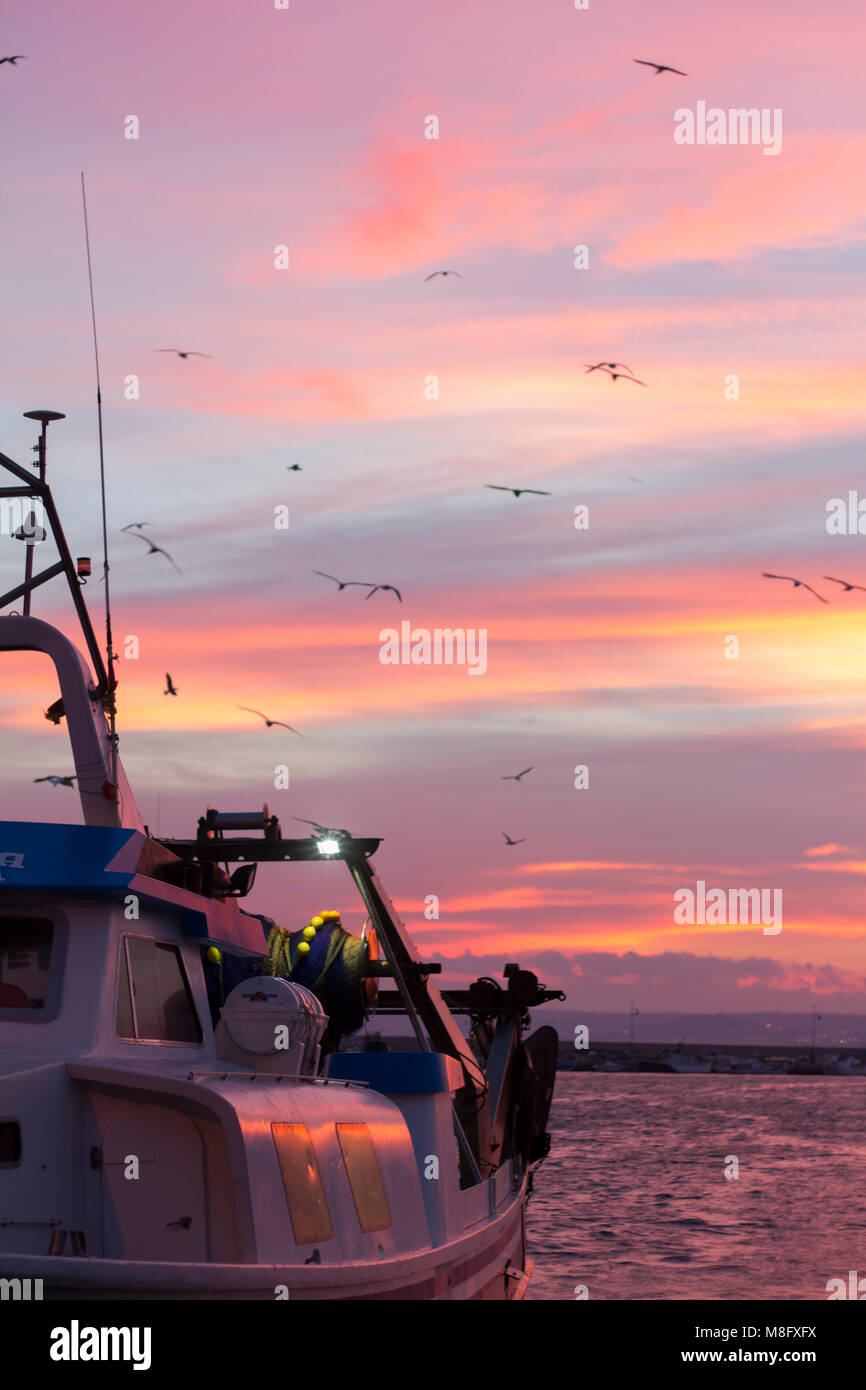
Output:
x=818 y=850
x=849 y=866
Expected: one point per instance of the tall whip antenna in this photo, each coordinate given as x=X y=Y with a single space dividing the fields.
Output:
x=109 y=648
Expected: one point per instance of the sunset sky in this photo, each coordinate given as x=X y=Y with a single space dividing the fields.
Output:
x=605 y=646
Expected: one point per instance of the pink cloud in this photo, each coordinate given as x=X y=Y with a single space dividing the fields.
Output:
x=805 y=197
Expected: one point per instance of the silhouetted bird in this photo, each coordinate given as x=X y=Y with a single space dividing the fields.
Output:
x=344 y=583
x=293 y=467
x=189 y=353
x=13 y=59
x=443 y=272
x=516 y=777
x=383 y=587
x=271 y=723
x=498 y=487
x=659 y=67
x=136 y=525
x=154 y=549
x=57 y=781
x=170 y=688
x=797 y=583
x=608 y=366
x=509 y=841
x=324 y=829
x=846 y=587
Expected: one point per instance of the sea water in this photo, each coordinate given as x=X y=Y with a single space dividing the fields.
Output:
x=638 y=1198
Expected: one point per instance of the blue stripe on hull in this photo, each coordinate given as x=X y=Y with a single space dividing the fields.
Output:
x=62 y=857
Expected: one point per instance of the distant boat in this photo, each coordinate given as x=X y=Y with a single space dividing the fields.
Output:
x=850 y=1066
x=804 y=1066
x=677 y=1060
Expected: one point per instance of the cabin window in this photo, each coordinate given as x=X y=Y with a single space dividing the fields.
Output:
x=302 y=1181
x=365 y=1179
x=154 y=1002
x=25 y=961
x=10 y=1143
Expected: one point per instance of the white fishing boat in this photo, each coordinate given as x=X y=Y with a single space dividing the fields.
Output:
x=678 y=1060
x=846 y=1066
x=177 y=1120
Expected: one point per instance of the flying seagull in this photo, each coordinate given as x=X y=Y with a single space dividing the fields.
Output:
x=154 y=549
x=136 y=525
x=383 y=587
x=659 y=67
x=509 y=841
x=498 y=487
x=324 y=829
x=189 y=353
x=13 y=59
x=515 y=778
x=57 y=781
x=293 y=468
x=344 y=583
x=608 y=368
x=845 y=585
x=271 y=723
x=442 y=272
x=170 y=688
x=797 y=583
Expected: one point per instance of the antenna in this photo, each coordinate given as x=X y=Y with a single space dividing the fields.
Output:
x=109 y=650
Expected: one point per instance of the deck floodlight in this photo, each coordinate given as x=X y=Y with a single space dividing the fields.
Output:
x=328 y=845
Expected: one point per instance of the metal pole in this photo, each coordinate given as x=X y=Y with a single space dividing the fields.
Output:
x=28 y=563
x=43 y=416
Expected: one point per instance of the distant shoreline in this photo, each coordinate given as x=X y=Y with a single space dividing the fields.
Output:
x=768 y=1059
x=762 y=1052
x=739 y=1059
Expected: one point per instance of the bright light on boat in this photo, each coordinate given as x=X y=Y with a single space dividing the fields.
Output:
x=329 y=846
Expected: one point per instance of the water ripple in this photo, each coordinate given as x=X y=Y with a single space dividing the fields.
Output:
x=638 y=1165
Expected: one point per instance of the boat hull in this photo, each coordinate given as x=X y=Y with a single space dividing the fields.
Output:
x=488 y=1263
